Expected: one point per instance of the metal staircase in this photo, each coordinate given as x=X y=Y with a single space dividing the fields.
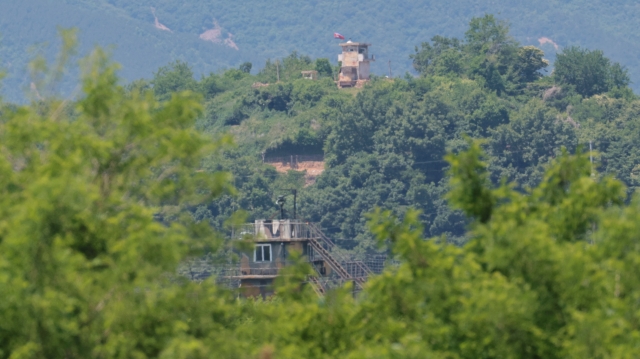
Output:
x=317 y=286
x=355 y=271
x=332 y=262
x=333 y=266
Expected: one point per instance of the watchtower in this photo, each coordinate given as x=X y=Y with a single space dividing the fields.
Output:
x=273 y=242
x=355 y=60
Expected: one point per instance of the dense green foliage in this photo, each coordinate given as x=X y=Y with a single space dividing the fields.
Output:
x=101 y=199
x=488 y=54
x=79 y=189
x=263 y=30
x=589 y=71
x=85 y=271
x=384 y=145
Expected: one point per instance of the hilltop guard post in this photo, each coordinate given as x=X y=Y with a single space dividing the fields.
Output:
x=355 y=67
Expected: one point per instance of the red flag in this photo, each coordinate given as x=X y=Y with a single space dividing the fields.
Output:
x=337 y=36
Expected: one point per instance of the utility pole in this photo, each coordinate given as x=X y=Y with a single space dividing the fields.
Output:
x=278 y=69
x=390 y=69
x=593 y=224
x=591 y=157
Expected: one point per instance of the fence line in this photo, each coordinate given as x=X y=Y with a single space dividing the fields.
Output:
x=294 y=160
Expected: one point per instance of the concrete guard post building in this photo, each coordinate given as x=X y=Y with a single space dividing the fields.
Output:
x=355 y=68
x=273 y=241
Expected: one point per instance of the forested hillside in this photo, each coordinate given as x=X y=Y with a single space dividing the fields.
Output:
x=262 y=30
x=384 y=145
x=103 y=196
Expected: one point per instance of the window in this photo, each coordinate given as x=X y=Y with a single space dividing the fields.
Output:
x=262 y=253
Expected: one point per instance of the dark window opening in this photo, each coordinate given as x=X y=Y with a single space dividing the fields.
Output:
x=267 y=253
x=262 y=253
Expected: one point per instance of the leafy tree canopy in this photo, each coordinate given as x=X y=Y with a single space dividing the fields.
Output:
x=488 y=54
x=589 y=71
x=176 y=77
x=383 y=145
x=510 y=247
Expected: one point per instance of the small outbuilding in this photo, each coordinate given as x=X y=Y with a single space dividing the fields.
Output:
x=310 y=75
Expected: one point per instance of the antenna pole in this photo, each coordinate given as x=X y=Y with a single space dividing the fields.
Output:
x=389 y=69
x=280 y=202
x=295 y=198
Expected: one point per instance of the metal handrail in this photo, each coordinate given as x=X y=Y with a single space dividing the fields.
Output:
x=330 y=246
x=321 y=245
x=298 y=230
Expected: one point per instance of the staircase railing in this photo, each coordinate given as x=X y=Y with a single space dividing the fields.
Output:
x=317 y=286
x=332 y=262
x=360 y=270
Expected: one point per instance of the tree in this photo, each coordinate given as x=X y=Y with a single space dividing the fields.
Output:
x=589 y=71
x=324 y=67
x=80 y=184
x=246 y=67
x=445 y=56
x=527 y=285
x=210 y=86
x=530 y=62
x=523 y=147
x=488 y=55
x=486 y=34
x=175 y=77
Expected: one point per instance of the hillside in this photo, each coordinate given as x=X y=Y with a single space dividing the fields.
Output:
x=504 y=203
x=139 y=46
x=261 y=30
x=384 y=145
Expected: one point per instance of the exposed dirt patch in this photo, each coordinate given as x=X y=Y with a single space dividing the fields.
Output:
x=551 y=93
x=312 y=169
x=215 y=35
x=157 y=24
x=545 y=40
x=229 y=41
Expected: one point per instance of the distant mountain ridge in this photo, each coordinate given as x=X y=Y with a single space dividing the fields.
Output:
x=214 y=34
x=137 y=45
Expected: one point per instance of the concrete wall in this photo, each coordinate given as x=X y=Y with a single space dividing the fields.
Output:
x=256 y=288
x=348 y=74
x=280 y=252
x=263 y=287
x=350 y=58
x=363 y=71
